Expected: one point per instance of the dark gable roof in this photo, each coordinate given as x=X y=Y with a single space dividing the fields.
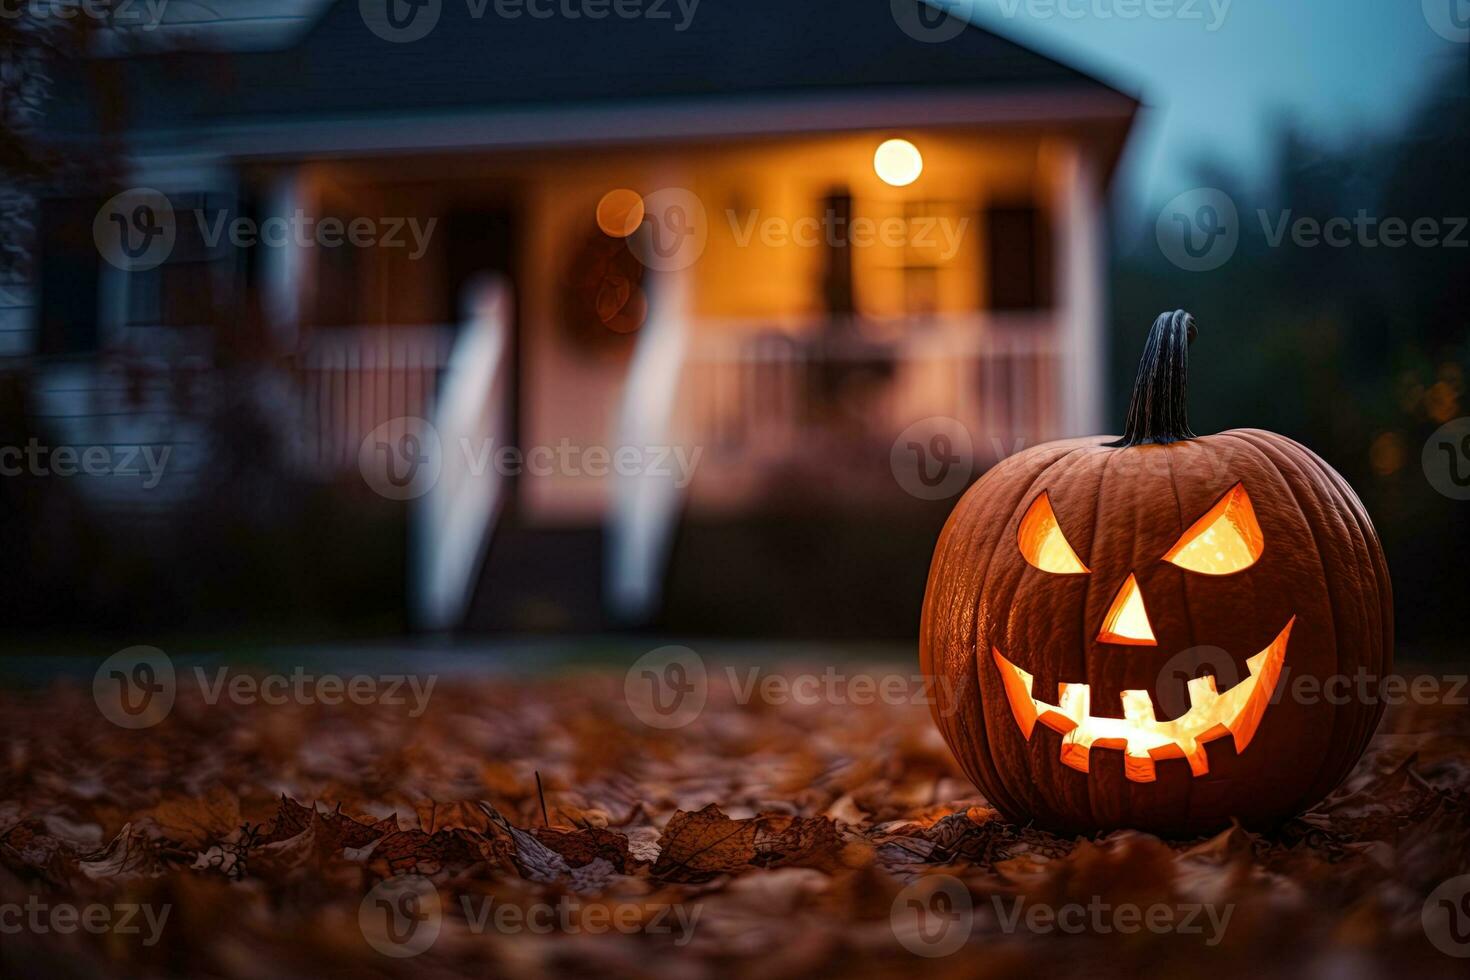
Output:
x=729 y=47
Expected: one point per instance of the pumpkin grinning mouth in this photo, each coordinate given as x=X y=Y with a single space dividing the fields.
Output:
x=1143 y=739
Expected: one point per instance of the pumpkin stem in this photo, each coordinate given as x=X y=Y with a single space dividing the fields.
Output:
x=1158 y=413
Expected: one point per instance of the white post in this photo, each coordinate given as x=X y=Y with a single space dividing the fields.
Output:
x=284 y=272
x=1081 y=293
x=644 y=507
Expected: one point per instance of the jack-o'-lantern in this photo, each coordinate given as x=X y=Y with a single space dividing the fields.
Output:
x=1142 y=631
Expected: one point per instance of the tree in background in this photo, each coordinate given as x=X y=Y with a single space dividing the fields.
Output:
x=37 y=45
x=1360 y=352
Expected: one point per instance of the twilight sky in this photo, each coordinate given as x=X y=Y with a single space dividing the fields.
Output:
x=1219 y=74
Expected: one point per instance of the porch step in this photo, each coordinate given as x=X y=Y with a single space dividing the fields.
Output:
x=152 y=454
x=850 y=576
x=540 y=579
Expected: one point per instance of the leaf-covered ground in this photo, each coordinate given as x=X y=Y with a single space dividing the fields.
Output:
x=761 y=840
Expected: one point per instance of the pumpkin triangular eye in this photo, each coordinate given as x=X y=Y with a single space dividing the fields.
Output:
x=1226 y=540
x=1043 y=544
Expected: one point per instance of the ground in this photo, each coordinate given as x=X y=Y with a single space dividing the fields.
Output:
x=782 y=833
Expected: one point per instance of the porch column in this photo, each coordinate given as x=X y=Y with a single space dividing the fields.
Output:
x=1081 y=293
x=284 y=270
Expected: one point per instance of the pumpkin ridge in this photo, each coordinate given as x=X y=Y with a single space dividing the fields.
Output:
x=963 y=729
x=993 y=721
x=1284 y=464
x=1313 y=467
x=1373 y=612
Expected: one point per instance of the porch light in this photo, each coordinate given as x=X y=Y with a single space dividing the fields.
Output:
x=898 y=162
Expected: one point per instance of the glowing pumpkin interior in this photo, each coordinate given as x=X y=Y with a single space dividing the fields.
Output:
x=1225 y=540
x=1043 y=544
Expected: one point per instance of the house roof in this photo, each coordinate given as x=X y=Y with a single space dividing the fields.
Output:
x=684 y=51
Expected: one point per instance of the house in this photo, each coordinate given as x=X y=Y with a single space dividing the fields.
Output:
x=759 y=239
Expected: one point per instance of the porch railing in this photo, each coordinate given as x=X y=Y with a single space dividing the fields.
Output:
x=350 y=380
x=766 y=394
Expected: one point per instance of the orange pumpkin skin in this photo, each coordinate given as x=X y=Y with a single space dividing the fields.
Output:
x=1122 y=508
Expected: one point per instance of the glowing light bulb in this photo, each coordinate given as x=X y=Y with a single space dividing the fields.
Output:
x=898 y=162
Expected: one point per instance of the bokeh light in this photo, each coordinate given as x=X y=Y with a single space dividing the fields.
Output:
x=620 y=212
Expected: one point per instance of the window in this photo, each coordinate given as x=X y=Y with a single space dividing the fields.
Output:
x=186 y=291
x=1018 y=265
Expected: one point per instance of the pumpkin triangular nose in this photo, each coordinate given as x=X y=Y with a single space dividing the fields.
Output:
x=1127 y=620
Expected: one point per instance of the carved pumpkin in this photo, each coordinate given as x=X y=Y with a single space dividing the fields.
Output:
x=1134 y=631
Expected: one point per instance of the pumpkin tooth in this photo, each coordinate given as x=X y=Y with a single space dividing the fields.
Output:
x=1138 y=708
x=1194 y=751
x=1075 y=702
x=1076 y=754
x=1139 y=768
x=1018 y=685
x=1202 y=691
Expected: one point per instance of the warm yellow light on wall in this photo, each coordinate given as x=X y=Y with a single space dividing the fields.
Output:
x=898 y=162
x=620 y=212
